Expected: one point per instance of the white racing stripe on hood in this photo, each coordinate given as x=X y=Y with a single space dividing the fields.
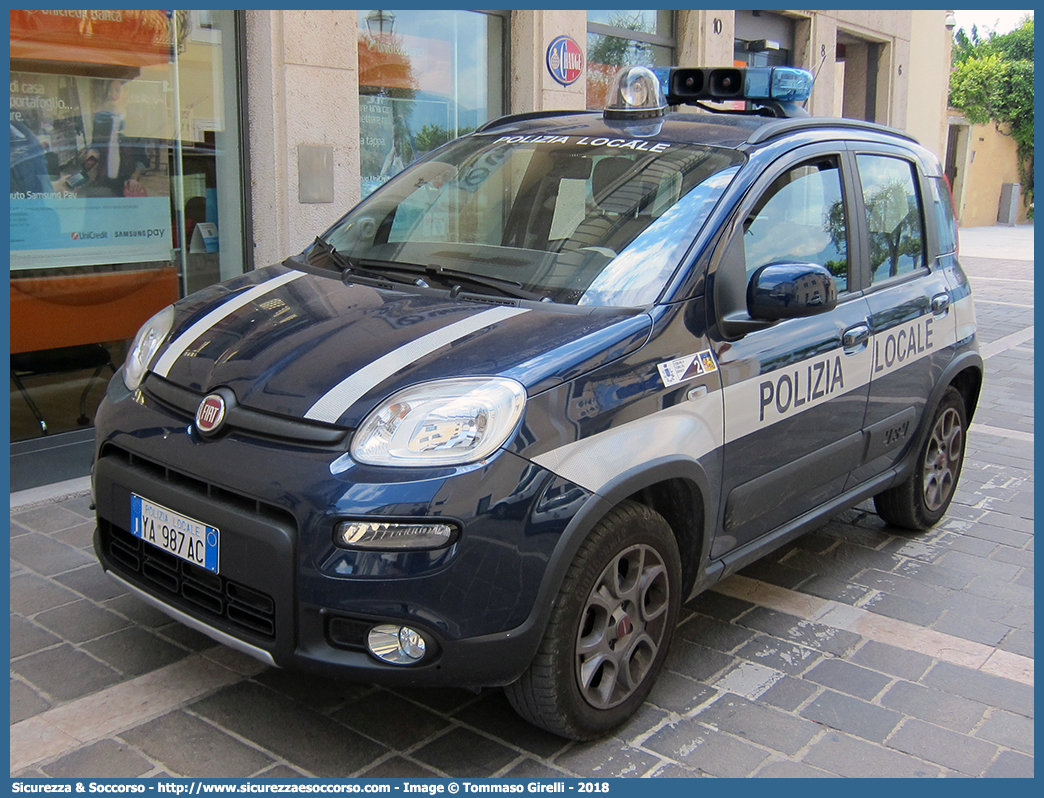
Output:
x=332 y=405
x=177 y=347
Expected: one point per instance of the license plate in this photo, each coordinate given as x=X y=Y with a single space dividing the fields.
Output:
x=184 y=537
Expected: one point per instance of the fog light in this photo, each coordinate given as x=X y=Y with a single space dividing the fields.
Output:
x=392 y=537
x=399 y=645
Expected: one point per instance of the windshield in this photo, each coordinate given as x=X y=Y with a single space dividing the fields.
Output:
x=573 y=219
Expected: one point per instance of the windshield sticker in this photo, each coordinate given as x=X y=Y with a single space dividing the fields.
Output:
x=624 y=144
x=641 y=145
x=532 y=140
x=686 y=368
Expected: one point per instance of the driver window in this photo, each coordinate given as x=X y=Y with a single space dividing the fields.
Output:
x=801 y=217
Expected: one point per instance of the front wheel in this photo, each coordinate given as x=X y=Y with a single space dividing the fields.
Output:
x=609 y=630
x=922 y=499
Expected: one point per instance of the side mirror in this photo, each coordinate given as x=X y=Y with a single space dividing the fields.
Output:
x=790 y=290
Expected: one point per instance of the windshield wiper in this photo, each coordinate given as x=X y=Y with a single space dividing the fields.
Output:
x=403 y=272
x=509 y=287
x=349 y=268
x=334 y=255
x=454 y=278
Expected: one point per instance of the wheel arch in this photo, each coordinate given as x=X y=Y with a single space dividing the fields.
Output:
x=964 y=374
x=968 y=382
x=678 y=489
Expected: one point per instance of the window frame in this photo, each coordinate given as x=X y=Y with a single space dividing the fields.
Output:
x=721 y=260
x=927 y=229
x=624 y=33
x=656 y=39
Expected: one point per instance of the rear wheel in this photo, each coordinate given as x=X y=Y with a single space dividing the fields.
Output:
x=922 y=499
x=609 y=630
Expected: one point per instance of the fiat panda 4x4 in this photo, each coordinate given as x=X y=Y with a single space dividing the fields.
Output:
x=510 y=412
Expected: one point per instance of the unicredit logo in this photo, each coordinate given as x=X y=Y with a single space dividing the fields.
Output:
x=90 y=235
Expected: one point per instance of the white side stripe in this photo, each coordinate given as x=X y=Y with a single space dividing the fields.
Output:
x=177 y=347
x=338 y=399
x=691 y=428
x=697 y=427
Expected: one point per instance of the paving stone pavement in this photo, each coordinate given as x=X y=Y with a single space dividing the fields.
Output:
x=857 y=650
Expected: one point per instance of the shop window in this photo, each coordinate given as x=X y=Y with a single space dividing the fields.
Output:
x=125 y=191
x=616 y=39
x=425 y=77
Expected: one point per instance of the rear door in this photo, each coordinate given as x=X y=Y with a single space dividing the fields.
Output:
x=911 y=319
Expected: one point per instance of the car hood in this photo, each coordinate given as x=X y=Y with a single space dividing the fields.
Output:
x=303 y=345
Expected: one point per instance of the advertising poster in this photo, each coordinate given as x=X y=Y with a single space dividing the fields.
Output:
x=395 y=132
x=89 y=180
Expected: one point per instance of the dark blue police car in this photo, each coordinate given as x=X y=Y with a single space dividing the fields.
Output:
x=513 y=409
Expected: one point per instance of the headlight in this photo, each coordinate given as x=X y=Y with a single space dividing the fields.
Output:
x=448 y=422
x=145 y=346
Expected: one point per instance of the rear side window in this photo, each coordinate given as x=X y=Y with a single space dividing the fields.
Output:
x=894 y=218
x=943 y=207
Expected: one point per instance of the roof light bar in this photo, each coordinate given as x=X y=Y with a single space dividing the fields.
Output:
x=689 y=85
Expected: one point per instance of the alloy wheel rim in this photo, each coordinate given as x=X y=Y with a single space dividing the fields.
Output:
x=622 y=626
x=943 y=459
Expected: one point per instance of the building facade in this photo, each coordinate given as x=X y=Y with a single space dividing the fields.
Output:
x=157 y=152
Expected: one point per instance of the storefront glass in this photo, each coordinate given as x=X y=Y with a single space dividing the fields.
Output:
x=425 y=77
x=126 y=191
x=616 y=39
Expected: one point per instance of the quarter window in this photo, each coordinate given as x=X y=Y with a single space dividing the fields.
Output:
x=893 y=213
x=801 y=217
x=943 y=206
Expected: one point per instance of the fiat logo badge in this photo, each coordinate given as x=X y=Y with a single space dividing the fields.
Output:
x=210 y=414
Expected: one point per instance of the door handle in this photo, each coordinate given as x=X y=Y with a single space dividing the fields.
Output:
x=940 y=304
x=855 y=338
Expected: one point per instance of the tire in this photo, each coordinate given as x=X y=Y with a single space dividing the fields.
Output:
x=609 y=630
x=920 y=501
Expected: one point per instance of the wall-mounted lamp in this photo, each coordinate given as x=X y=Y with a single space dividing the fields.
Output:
x=380 y=22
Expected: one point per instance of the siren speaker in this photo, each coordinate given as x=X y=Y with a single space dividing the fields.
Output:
x=686 y=83
x=725 y=83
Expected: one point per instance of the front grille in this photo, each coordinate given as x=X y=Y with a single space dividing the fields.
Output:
x=245 y=420
x=209 y=595
x=242 y=503
x=182 y=584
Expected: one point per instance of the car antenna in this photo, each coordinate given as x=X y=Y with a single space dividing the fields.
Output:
x=815 y=75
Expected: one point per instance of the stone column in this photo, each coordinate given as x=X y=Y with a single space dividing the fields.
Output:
x=705 y=38
x=303 y=90
x=532 y=87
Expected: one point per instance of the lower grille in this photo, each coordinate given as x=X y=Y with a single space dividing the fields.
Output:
x=209 y=595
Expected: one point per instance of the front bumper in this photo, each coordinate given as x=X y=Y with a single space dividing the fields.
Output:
x=285 y=594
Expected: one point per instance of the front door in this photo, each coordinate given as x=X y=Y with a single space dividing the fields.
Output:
x=796 y=390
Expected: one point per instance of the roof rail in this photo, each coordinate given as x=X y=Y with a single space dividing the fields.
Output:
x=512 y=118
x=773 y=129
